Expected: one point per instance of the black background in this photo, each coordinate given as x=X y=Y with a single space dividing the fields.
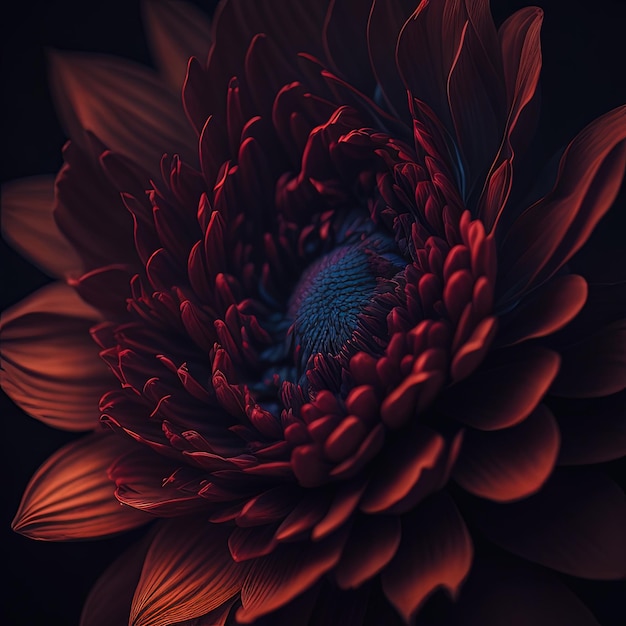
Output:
x=47 y=583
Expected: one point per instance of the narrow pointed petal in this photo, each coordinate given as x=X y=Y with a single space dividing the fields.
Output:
x=108 y=602
x=176 y=31
x=28 y=225
x=574 y=525
x=188 y=572
x=435 y=551
x=289 y=570
x=124 y=105
x=50 y=364
x=512 y=463
x=71 y=497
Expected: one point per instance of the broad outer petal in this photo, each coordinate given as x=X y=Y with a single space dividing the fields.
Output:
x=71 y=497
x=435 y=551
x=108 y=602
x=50 y=364
x=28 y=225
x=187 y=573
x=176 y=31
x=124 y=105
x=575 y=525
x=512 y=463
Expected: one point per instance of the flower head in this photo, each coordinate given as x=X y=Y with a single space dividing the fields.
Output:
x=322 y=323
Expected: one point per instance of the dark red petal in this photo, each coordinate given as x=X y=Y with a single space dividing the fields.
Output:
x=595 y=365
x=71 y=497
x=505 y=390
x=289 y=570
x=124 y=105
x=373 y=542
x=575 y=525
x=108 y=602
x=549 y=232
x=345 y=501
x=28 y=225
x=176 y=31
x=517 y=595
x=402 y=466
x=435 y=551
x=512 y=463
x=50 y=364
x=188 y=572
x=544 y=310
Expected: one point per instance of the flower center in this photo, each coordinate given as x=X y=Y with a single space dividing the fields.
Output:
x=334 y=291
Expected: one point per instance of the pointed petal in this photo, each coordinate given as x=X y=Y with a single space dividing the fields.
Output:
x=187 y=573
x=289 y=570
x=108 y=602
x=124 y=105
x=435 y=551
x=544 y=311
x=373 y=541
x=50 y=365
x=512 y=463
x=505 y=390
x=575 y=525
x=549 y=232
x=71 y=497
x=28 y=225
x=176 y=31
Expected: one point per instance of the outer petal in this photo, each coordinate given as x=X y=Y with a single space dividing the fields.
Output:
x=575 y=525
x=549 y=232
x=436 y=551
x=71 y=497
x=124 y=105
x=28 y=225
x=108 y=602
x=512 y=463
x=50 y=364
x=177 y=30
x=187 y=573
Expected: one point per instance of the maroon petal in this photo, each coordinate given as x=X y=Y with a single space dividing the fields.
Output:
x=124 y=105
x=505 y=390
x=50 y=364
x=289 y=570
x=374 y=540
x=549 y=232
x=435 y=551
x=512 y=463
x=188 y=572
x=594 y=366
x=575 y=525
x=71 y=497
x=544 y=311
x=108 y=602
x=28 y=225
x=176 y=31
x=517 y=595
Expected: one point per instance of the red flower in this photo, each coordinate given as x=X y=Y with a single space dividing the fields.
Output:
x=324 y=320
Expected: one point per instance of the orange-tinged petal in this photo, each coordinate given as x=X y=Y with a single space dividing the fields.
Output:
x=125 y=105
x=187 y=573
x=512 y=463
x=435 y=551
x=50 y=364
x=28 y=225
x=176 y=31
x=71 y=497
